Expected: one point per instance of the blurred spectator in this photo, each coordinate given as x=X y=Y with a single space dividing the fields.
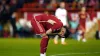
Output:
x=97 y=4
x=81 y=3
x=93 y=16
x=0 y=7
x=74 y=25
x=52 y=5
x=41 y=1
x=98 y=31
x=58 y=1
x=91 y=3
x=8 y=14
x=98 y=17
x=69 y=1
x=5 y=16
x=13 y=9
x=47 y=1
x=74 y=5
x=28 y=1
x=23 y=30
x=20 y=3
x=44 y=1
x=6 y=32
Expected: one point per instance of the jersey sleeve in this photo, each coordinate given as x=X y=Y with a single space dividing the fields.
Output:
x=38 y=17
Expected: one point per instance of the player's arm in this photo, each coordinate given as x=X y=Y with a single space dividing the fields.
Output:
x=51 y=21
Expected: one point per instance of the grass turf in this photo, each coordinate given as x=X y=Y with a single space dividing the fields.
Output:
x=30 y=47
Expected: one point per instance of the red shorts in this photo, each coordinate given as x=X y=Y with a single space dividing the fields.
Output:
x=40 y=28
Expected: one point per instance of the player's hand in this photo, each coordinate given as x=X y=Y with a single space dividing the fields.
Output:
x=49 y=31
x=51 y=21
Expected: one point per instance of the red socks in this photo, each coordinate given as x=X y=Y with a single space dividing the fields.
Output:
x=44 y=44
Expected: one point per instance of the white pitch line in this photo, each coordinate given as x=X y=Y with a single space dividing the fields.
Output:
x=75 y=53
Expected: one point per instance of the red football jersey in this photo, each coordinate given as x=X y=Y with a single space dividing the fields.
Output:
x=41 y=25
x=46 y=17
x=82 y=19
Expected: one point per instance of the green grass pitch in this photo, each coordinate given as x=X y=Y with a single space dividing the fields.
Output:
x=30 y=47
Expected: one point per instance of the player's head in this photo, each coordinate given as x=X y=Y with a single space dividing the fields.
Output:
x=46 y=12
x=83 y=9
x=62 y=5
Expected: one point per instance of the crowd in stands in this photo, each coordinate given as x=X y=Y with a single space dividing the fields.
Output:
x=7 y=16
x=73 y=3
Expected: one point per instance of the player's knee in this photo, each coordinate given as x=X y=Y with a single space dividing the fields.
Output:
x=44 y=34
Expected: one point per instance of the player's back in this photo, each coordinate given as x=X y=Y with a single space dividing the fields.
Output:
x=46 y=17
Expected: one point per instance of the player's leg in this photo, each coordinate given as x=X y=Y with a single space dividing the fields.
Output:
x=56 y=39
x=39 y=29
x=82 y=30
x=79 y=35
x=45 y=39
x=83 y=33
x=83 y=37
x=62 y=33
x=44 y=44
